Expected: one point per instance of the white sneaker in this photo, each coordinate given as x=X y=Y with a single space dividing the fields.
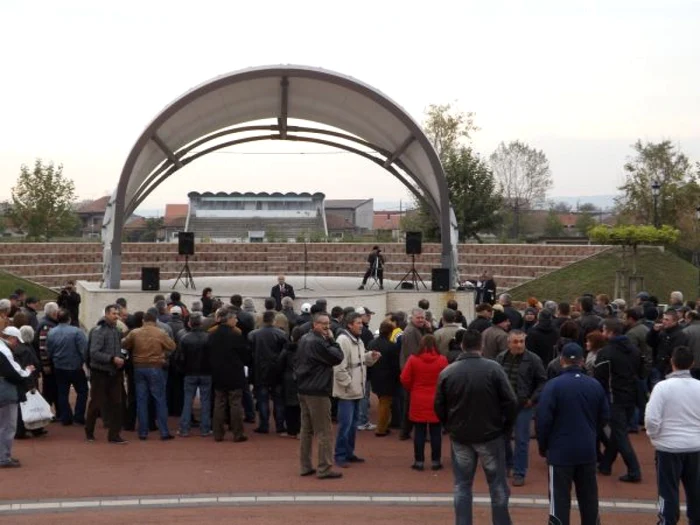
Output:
x=367 y=426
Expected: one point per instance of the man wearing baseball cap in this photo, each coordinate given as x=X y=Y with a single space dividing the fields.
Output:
x=572 y=407
x=13 y=375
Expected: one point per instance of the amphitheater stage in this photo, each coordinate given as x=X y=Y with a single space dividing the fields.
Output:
x=340 y=291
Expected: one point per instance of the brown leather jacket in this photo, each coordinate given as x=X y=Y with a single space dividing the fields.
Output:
x=149 y=346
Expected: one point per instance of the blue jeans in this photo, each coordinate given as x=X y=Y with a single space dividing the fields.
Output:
x=64 y=380
x=348 y=411
x=191 y=385
x=518 y=461
x=262 y=396
x=464 y=460
x=151 y=381
x=363 y=417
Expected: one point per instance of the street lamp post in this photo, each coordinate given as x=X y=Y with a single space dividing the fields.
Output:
x=655 y=188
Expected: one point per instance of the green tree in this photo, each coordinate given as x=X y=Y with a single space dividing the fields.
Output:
x=584 y=222
x=553 y=225
x=523 y=177
x=663 y=163
x=43 y=202
x=473 y=196
x=633 y=236
x=154 y=229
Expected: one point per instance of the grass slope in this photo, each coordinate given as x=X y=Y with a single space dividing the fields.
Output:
x=663 y=272
x=9 y=283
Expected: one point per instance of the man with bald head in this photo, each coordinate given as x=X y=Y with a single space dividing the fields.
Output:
x=280 y=291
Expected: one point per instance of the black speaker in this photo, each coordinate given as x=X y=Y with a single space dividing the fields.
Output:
x=414 y=243
x=440 y=279
x=406 y=285
x=150 y=279
x=185 y=243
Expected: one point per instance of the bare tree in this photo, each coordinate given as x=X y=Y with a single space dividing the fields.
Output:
x=523 y=176
x=447 y=126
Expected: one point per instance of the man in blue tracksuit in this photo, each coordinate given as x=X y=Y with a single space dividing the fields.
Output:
x=571 y=408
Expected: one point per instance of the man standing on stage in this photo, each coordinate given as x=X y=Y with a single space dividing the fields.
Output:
x=375 y=269
x=280 y=291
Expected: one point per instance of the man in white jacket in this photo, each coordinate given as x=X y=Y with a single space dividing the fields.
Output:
x=673 y=425
x=349 y=378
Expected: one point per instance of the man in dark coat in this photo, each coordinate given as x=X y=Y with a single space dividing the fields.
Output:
x=618 y=367
x=482 y=321
x=70 y=300
x=317 y=354
x=385 y=375
x=280 y=291
x=542 y=338
x=229 y=353
x=267 y=343
x=572 y=408
x=663 y=338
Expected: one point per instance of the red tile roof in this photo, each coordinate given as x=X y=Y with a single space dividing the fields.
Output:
x=387 y=220
x=173 y=211
x=96 y=206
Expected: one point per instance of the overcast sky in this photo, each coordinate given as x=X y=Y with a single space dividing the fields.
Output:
x=581 y=80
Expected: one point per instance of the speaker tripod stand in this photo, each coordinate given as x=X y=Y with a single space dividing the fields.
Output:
x=413 y=274
x=185 y=275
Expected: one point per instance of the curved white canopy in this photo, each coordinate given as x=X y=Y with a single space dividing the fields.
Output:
x=280 y=92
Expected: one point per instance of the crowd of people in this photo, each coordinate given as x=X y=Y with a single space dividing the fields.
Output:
x=587 y=374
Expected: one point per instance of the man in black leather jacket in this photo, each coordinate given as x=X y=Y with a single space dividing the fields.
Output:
x=317 y=354
x=477 y=406
x=192 y=358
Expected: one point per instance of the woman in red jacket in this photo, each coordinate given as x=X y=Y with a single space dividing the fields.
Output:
x=420 y=378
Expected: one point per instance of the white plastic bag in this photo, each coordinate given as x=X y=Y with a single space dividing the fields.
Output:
x=36 y=412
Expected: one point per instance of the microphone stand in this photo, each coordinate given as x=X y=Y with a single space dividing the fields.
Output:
x=306 y=260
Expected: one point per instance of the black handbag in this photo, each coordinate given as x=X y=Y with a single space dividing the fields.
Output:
x=8 y=393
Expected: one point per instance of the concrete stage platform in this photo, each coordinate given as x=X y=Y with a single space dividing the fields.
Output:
x=340 y=291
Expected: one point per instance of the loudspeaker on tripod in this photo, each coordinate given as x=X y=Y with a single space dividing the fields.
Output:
x=414 y=243
x=150 y=279
x=185 y=243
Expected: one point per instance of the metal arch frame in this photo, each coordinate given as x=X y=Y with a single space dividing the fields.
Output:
x=112 y=238
x=179 y=159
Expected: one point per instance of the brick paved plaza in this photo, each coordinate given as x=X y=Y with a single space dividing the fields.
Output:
x=64 y=472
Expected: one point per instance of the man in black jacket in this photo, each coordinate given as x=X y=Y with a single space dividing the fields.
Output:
x=526 y=374
x=477 y=406
x=192 y=358
x=69 y=299
x=317 y=354
x=106 y=377
x=543 y=337
x=229 y=353
x=588 y=321
x=267 y=343
x=619 y=367
x=663 y=338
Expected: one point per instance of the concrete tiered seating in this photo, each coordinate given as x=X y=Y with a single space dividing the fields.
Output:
x=238 y=228
x=51 y=264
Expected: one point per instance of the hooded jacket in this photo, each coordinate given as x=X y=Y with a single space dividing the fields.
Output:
x=618 y=367
x=350 y=376
x=420 y=377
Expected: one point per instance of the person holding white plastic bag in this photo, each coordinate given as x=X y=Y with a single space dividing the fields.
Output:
x=11 y=393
